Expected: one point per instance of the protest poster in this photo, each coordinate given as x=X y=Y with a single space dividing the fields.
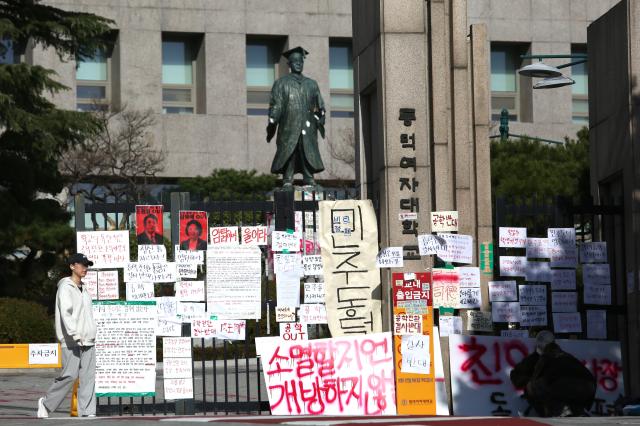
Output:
x=90 y=282
x=532 y=294
x=502 y=291
x=187 y=270
x=150 y=272
x=513 y=266
x=449 y=325
x=593 y=252
x=177 y=368
x=169 y=326
x=313 y=292
x=469 y=276
x=413 y=345
x=480 y=367
x=293 y=331
x=512 y=237
x=457 y=248
x=564 y=301
x=479 y=321
x=193 y=230
x=287 y=263
x=596 y=274
x=444 y=221
x=596 y=324
x=505 y=312
x=562 y=247
x=166 y=306
x=176 y=347
x=149 y=227
x=445 y=288
x=429 y=244
x=152 y=253
x=178 y=389
x=514 y=333
x=390 y=257
x=312 y=265
x=563 y=279
x=285 y=241
x=348 y=236
x=470 y=297
x=188 y=256
x=234 y=282
x=533 y=315
x=537 y=272
x=288 y=289
x=108 y=285
x=313 y=313
x=223 y=236
x=597 y=295
x=140 y=291
x=188 y=311
x=125 y=348
x=285 y=314
x=362 y=364
x=254 y=235
x=189 y=291
x=220 y=329
x=537 y=248
x=567 y=322
x=106 y=249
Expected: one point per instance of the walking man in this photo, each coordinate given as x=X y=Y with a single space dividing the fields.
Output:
x=76 y=332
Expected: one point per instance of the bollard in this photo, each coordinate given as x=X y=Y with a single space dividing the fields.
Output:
x=73 y=411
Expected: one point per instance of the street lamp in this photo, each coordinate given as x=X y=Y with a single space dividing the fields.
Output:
x=552 y=75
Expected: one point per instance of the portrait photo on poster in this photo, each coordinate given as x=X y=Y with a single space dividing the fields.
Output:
x=149 y=224
x=193 y=230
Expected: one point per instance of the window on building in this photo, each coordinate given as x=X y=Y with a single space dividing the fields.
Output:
x=505 y=82
x=341 y=78
x=580 y=90
x=93 y=81
x=263 y=65
x=179 y=56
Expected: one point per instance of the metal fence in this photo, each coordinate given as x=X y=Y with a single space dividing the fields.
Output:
x=227 y=375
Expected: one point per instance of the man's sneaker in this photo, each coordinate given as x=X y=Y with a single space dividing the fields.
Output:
x=88 y=415
x=42 y=410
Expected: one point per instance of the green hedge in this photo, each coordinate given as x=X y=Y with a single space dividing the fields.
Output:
x=23 y=321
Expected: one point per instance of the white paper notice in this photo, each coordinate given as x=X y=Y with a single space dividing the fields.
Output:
x=313 y=313
x=288 y=289
x=562 y=247
x=254 y=235
x=177 y=368
x=538 y=248
x=415 y=354
x=287 y=263
x=596 y=274
x=512 y=237
x=189 y=256
x=458 y=248
x=596 y=324
x=192 y=291
x=514 y=334
x=108 y=285
x=90 y=282
x=152 y=253
x=593 y=252
x=106 y=249
x=513 y=266
x=140 y=291
x=470 y=297
x=169 y=327
x=234 y=282
x=597 y=294
x=469 y=276
x=533 y=294
x=538 y=272
x=43 y=354
x=505 y=312
x=430 y=244
x=176 y=347
x=502 y=291
x=445 y=221
x=150 y=272
x=312 y=265
x=313 y=292
x=533 y=316
x=293 y=331
x=187 y=270
x=564 y=301
x=285 y=314
x=563 y=279
x=167 y=306
x=450 y=325
x=479 y=321
x=223 y=236
x=284 y=241
x=567 y=323
x=178 y=389
x=188 y=311
x=390 y=257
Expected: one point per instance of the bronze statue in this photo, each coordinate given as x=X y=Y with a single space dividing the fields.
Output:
x=296 y=110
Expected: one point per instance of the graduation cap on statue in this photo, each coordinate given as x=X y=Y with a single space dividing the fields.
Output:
x=298 y=49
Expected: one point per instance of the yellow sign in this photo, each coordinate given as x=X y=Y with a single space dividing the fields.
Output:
x=25 y=355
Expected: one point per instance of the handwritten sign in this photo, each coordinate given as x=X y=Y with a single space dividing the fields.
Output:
x=407 y=324
x=188 y=311
x=219 y=329
x=90 y=282
x=367 y=359
x=416 y=357
x=43 y=354
x=140 y=291
x=150 y=272
x=390 y=257
x=512 y=237
x=533 y=315
x=537 y=248
x=192 y=291
x=429 y=244
x=458 y=248
x=177 y=368
x=564 y=301
x=593 y=252
x=176 y=347
x=224 y=236
x=287 y=263
x=285 y=241
x=293 y=331
x=538 y=272
x=108 y=285
x=167 y=306
x=470 y=297
x=533 y=294
x=106 y=249
x=445 y=221
x=505 y=312
x=567 y=322
x=563 y=279
x=562 y=247
x=285 y=314
x=313 y=313
x=469 y=276
x=445 y=288
x=479 y=321
x=254 y=235
x=169 y=327
x=596 y=324
x=312 y=265
x=178 y=389
x=187 y=270
x=152 y=253
x=502 y=291
x=189 y=256
x=314 y=292
x=513 y=266
x=596 y=274
x=450 y=325
x=597 y=294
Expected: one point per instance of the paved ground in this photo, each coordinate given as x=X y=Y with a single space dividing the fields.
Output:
x=20 y=389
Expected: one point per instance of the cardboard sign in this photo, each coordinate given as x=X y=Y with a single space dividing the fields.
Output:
x=224 y=236
x=502 y=291
x=512 y=237
x=390 y=257
x=445 y=221
x=149 y=227
x=106 y=249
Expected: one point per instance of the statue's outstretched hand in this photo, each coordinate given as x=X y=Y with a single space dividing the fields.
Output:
x=271 y=130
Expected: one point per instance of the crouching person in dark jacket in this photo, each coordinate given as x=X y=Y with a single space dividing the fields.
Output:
x=555 y=383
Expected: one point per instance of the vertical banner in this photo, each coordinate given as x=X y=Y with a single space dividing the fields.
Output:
x=349 y=241
x=413 y=346
x=149 y=224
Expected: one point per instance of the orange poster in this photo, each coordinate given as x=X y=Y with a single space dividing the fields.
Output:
x=413 y=343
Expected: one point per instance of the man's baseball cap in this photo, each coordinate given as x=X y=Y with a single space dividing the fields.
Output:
x=79 y=258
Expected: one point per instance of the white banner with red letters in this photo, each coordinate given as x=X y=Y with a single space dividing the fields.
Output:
x=340 y=376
